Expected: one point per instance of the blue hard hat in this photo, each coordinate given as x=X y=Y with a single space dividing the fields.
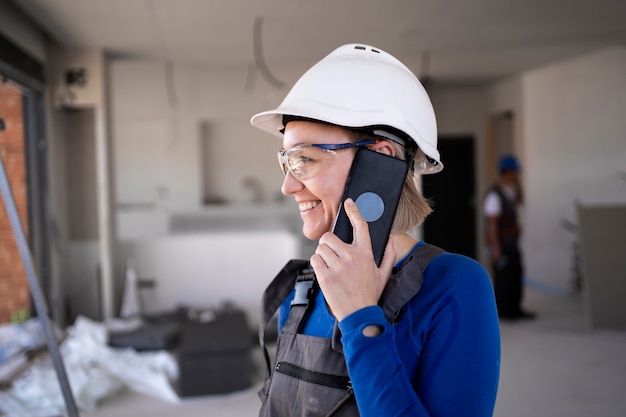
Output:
x=508 y=162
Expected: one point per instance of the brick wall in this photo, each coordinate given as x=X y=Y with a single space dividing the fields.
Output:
x=14 y=290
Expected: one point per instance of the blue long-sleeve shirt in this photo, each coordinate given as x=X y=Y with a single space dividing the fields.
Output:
x=442 y=357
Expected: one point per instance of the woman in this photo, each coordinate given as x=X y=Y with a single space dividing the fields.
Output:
x=417 y=336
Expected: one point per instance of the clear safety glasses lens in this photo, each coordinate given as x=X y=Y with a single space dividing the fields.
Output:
x=303 y=161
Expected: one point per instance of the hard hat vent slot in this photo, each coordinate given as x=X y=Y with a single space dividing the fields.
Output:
x=363 y=48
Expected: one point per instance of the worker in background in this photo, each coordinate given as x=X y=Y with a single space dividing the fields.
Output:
x=417 y=336
x=502 y=238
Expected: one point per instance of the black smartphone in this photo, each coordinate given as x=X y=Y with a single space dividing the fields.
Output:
x=375 y=183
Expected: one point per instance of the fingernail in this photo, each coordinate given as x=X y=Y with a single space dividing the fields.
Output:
x=350 y=202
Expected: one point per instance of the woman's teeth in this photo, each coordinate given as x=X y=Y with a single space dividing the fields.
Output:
x=308 y=205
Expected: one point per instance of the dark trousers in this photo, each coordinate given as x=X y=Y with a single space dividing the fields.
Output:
x=508 y=280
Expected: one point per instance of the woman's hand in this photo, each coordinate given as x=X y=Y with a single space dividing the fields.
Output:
x=347 y=273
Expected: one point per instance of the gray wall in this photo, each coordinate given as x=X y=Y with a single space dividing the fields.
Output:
x=574 y=149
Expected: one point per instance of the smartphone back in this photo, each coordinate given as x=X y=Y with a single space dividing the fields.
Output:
x=375 y=183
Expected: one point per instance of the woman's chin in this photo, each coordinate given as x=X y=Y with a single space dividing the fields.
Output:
x=311 y=233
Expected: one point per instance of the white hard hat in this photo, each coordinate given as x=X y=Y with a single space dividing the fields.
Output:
x=360 y=86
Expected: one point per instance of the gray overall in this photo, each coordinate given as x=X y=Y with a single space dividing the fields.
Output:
x=310 y=378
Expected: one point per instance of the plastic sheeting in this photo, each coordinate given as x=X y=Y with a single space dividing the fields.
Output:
x=94 y=370
x=16 y=338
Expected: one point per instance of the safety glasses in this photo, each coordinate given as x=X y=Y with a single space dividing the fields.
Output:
x=304 y=161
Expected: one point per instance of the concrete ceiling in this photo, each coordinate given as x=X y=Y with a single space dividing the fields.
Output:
x=447 y=40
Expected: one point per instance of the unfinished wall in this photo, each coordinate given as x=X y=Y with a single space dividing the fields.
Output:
x=14 y=289
x=159 y=115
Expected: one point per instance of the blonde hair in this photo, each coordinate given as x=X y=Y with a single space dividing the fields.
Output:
x=413 y=207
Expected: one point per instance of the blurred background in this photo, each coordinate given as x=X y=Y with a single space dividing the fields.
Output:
x=126 y=139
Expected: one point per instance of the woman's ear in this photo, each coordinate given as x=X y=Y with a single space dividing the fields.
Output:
x=383 y=146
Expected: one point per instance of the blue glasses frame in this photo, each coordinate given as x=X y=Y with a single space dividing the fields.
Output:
x=283 y=155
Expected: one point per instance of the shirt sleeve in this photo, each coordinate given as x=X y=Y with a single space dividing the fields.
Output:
x=381 y=387
x=492 y=206
x=441 y=359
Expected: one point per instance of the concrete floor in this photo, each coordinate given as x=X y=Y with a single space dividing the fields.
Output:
x=552 y=367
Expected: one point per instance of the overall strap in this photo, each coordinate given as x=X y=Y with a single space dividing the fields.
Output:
x=274 y=295
x=408 y=281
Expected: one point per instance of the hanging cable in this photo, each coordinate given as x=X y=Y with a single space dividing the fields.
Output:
x=259 y=59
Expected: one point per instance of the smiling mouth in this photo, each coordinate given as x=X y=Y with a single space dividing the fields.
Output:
x=308 y=205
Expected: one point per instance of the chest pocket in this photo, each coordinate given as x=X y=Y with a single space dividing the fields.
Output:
x=308 y=381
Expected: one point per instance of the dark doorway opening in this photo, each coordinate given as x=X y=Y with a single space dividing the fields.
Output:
x=452 y=225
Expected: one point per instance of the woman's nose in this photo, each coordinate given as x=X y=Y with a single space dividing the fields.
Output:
x=290 y=184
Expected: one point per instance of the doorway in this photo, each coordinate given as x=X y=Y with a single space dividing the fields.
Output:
x=452 y=192
x=499 y=141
